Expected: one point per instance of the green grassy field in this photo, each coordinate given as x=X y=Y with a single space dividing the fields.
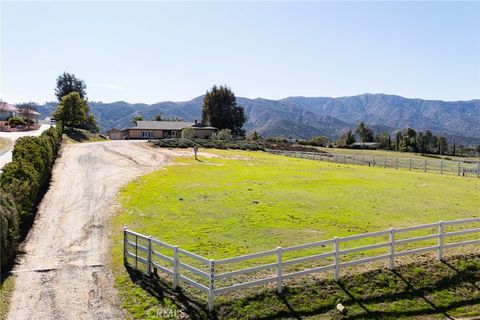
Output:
x=245 y=202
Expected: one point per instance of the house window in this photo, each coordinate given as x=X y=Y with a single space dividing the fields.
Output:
x=174 y=133
x=147 y=134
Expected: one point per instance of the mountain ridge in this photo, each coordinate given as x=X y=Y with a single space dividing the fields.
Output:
x=304 y=117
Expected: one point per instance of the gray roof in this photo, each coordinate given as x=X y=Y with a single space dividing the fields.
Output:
x=170 y=125
x=163 y=125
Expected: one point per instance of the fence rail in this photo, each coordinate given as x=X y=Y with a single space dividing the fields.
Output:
x=458 y=168
x=177 y=263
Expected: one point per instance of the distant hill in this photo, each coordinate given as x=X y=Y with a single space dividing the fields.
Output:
x=303 y=117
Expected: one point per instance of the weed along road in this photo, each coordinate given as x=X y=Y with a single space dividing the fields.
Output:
x=62 y=272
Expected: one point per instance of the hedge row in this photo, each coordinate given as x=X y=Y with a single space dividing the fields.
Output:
x=23 y=183
x=206 y=143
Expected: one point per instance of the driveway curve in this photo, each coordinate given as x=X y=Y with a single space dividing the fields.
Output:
x=62 y=272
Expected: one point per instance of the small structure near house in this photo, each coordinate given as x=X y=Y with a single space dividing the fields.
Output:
x=115 y=134
x=161 y=130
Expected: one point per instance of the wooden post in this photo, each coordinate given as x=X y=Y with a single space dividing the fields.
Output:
x=353 y=159
x=441 y=166
x=149 y=256
x=136 y=252
x=441 y=228
x=478 y=169
x=336 y=271
x=458 y=168
x=373 y=160
x=125 y=246
x=425 y=166
x=279 y=269
x=175 y=267
x=391 y=264
x=410 y=164
x=363 y=160
x=396 y=163
x=211 y=292
x=344 y=159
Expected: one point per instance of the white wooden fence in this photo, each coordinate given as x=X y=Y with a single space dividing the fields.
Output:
x=458 y=168
x=144 y=253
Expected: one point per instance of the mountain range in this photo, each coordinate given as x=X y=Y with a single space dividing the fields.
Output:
x=305 y=117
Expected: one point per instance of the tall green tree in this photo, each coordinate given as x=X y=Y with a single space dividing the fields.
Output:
x=364 y=132
x=71 y=111
x=137 y=118
x=220 y=110
x=68 y=83
x=442 y=146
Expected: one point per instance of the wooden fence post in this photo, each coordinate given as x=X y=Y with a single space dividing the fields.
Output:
x=125 y=246
x=441 y=166
x=149 y=256
x=211 y=292
x=373 y=161
x=279 y=269
x=175 y=267
x=136 y=252
x=458 y=168
x=425 y=166
x=391 y=264
x=336 y=270
x=409 y=164
x=353 y=159
x=441 y=228
x=396 y=163
x=385 y=162
x=478 y=169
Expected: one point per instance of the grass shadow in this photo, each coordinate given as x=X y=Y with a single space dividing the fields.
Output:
x=159 y=289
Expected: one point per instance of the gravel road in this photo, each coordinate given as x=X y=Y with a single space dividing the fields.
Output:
x=62 y=273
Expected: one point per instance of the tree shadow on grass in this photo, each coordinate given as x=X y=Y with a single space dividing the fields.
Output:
x=76 y=135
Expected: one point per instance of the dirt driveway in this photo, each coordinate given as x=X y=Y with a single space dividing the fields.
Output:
x=62 y=273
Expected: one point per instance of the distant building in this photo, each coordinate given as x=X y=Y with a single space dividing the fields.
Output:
x=369 y=145
x=161 y=130
x=8 y=111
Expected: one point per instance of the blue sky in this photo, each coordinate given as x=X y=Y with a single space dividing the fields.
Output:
x=157 y=51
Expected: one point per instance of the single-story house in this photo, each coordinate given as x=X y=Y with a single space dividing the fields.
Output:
x=161 y=130
x=8 y=111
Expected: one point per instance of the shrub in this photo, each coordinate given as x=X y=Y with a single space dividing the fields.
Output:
x=224 y=134
x=15 y=121
x=9 y=230
x=22 y=185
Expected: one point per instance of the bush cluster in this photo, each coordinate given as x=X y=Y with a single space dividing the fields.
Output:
x=22 y=185
x=207 y=143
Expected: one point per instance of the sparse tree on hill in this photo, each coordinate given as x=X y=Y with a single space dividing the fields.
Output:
x=347 y=139
x=364 y=132
x=442 y=146
x=255 y=136
x=28 y=111
x=398 y=140
x=137 y=118
x=68 y=83
x=220 y=110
